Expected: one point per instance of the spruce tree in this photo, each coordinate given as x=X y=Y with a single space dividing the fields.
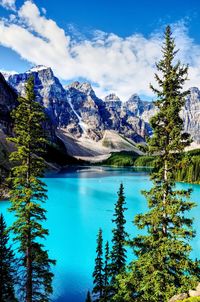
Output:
x=98 y=278
x=88 y=298
x=163 y=266
x=106 y=290
x=7 y=266
x=27 y=195
x=107 y=265
x=118 y=252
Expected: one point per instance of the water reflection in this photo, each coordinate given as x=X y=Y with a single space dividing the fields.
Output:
x=97 y=172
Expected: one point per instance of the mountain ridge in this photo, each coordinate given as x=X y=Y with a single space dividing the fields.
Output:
x=77 y=111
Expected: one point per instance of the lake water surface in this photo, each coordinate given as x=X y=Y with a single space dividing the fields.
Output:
x=80 y=201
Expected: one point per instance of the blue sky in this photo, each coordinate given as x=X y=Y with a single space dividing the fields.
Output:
x=125 y=17
x=112 y=44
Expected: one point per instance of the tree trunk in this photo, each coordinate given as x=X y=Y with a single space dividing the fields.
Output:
x=29 y=268
x=1 y=280
x=164 y=200
x=29 y=283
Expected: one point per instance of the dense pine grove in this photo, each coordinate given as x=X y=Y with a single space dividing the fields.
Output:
x=8 y=268
x=187 y=172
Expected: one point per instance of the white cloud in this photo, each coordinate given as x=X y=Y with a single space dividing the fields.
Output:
x=114 y=64
x=7 y=73
x=8 y=4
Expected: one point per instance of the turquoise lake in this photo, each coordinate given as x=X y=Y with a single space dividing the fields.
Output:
x=80 y=201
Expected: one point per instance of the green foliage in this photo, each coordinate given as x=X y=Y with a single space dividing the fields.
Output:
x=4 y=169
x=186 y=172
x=106 y=276
x=194 y=152
x=189 y=167
x=27 y=194
x=98 y=278
x=163 y=266
x=7 y=266
x=145 y=161
x=121 y=159
x=143 y=147
x=190 y=172
x=129 y=159
x=118 y=252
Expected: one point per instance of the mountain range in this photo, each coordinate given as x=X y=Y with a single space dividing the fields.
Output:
x=88 y=125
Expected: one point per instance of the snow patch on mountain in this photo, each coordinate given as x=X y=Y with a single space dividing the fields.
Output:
x=7 y=74
x=37 y=68
x=82 y=125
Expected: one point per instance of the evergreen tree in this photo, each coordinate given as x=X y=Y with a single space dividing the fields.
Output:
x=98 y=280
x=3 y=171
x=118 y=252
x=27 y=194
x=164 y=267
x=107 y=265
x=106 y=290
x=7 y=271
x=88 y=298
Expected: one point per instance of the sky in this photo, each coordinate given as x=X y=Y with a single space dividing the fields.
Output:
x=113 y=44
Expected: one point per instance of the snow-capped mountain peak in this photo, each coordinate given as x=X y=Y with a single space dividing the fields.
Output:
x=112 y=97
x=38 y=68
x=78 y=110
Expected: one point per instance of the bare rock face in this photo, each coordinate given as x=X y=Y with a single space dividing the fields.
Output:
x=194 y=293
x=179 y=297
x=50 y=93
x=96 y=115
x=191 y=293
x=191 y=114
x=87 y=107
x=137 y=107
x=198 y=287
x=8 y=101
x=77 y=109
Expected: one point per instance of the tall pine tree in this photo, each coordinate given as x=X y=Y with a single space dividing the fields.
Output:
x=118 y=252
x=106 y=276
x=27 y=195
x=88 y=298
x=7 y=266
x=164 y=267
x=98 y=278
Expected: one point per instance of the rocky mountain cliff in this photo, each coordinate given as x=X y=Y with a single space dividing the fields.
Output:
x=50 y=93
x=8 y=100
x=191 y=114
x=80 y=113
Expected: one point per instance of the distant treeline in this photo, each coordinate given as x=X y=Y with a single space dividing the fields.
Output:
x=128 y=159
x=189 y=172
